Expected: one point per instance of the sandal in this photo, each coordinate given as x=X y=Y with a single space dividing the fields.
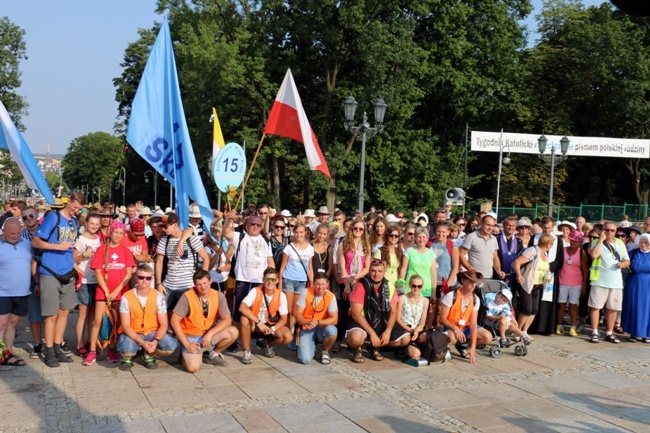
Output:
x=337 y=347
x=374 y=353
x=50 y=359
x=8 y=358
x=618 y=329
x=594 y=338
x=358 y=356
x=126 y=365
x=611 y=338
x=82 y=351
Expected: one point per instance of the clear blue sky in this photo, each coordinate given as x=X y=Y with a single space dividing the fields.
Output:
x=75 y=48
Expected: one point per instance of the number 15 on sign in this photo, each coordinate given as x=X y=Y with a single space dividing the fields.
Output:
x=229 y=168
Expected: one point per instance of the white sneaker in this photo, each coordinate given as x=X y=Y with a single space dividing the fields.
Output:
x=269 y=352
x=247 y=357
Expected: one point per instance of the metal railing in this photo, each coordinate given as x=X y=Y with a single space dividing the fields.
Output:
x=591 y=212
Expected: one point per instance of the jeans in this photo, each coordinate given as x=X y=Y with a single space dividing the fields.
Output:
x=127 y=346
x=308 y=339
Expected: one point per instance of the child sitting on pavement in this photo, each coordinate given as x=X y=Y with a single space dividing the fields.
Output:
x=500 y=312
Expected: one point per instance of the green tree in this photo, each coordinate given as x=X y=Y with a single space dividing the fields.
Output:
x=93 y=160
x=12 y=51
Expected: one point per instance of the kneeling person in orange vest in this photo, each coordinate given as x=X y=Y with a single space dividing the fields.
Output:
x=143 y=315
x=201 y=321
x=264 y=315
x=317 y=314
x=373 y=315
x=459 y=314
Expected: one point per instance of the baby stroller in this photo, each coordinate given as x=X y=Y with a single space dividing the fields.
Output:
x=494 y=286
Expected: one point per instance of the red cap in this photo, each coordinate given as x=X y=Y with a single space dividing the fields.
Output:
x=137 y=225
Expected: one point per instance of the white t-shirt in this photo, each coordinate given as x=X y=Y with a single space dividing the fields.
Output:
x=448 y=301
x=252 y=259
x=250 y=300
x=81 y=245
x=294 y=269
x=161 y=303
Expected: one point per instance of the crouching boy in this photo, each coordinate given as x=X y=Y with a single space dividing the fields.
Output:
x=143 y=314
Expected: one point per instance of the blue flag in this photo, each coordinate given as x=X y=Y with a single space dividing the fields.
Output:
x=158 y=131
x=12 y=139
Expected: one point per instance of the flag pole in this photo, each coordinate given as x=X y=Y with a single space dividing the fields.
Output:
x=259 y=146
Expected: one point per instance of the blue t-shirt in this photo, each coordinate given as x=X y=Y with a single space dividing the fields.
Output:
x=61 y=262
x=15 y=268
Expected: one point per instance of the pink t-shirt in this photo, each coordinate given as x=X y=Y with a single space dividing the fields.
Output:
x=571 y=272
x=358 y=295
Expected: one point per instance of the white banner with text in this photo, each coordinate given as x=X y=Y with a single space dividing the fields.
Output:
x=578 y=146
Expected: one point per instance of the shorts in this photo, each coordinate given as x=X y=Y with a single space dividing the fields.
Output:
x=242 y=288
x=86 y=294
x=396 y=333
x=196 y=339
x=56 y=296
x=16 y=305
x=293 y=286
x=34 y=314
x=173 y=297
x=219 y=287
x=602 y=297
x=100 y=296
x=466 y=330
x=125 y=345
x=570 y=294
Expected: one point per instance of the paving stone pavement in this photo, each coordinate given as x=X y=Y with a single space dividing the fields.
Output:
x=564 y=384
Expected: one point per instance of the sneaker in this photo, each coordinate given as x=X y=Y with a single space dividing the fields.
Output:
x=632 y=339
x=269 y=352
x=36 y=351
x=126 y=365
x=247 y=357
x=216 y=359
x=573 y=332
x=149 y=362
x=90 y=358
x=325 y=358
x=527 y=341
x=112 y=356
x=559 y=330
x=232 y=347
x=503 y=342
x=611 y=338
x=65 y=349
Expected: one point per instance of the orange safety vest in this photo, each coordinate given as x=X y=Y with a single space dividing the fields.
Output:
x=143 y=320
x=456 y=311
x=274 y=305
x=310 y=312
x=196 y=323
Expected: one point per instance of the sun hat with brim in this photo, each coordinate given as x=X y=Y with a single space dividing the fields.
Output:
x=58 y=204
x=145 y=211
x=323 y=211
x=309 y=213
x=576 y=236
x=524 y=222
x=569 y=224
x=507 y=293
x=106 y=211
x=122 y=209
x=473 y=276
x=636 y=228
x=195 y=212
x=392 y=219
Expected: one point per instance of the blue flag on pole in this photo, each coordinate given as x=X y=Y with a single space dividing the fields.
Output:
x=158 y=131
x=12 y=139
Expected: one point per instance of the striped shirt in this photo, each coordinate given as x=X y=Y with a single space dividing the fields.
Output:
x=179 y=269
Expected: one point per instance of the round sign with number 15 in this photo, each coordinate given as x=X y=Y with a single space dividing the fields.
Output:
x=229 y=168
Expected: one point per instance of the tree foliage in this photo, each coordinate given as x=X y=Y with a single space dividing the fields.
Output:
x=12 y=51
x=93 y=160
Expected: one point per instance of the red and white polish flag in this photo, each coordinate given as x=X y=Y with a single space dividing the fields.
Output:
x=288 y=119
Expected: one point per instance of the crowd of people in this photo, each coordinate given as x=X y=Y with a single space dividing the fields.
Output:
x=376 y=283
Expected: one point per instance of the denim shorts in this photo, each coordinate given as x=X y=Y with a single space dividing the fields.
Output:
x=293 y=286
x=86 y=295
x=125 y=345
x=197 y=340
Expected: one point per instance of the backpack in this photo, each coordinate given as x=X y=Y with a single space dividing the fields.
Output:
x=110 y=329
x=435 y=346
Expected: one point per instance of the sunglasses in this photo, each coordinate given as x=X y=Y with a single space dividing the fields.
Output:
x=376 y=262
x=255 y=224
x=410 y=234
x=393 y=236
x=271 y=280
x=358 y=229
x=461 y=224
x=416 y=286
x=279 y=227
x=26 y=217
x=142 y=277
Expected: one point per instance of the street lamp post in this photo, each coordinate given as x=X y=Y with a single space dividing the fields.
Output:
x=155 y=185
x=121 y=173
x=502 y=161
x=367 y=132
x=564 y=147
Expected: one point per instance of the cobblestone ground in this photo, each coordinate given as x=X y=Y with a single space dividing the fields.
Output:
x=564 y=384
